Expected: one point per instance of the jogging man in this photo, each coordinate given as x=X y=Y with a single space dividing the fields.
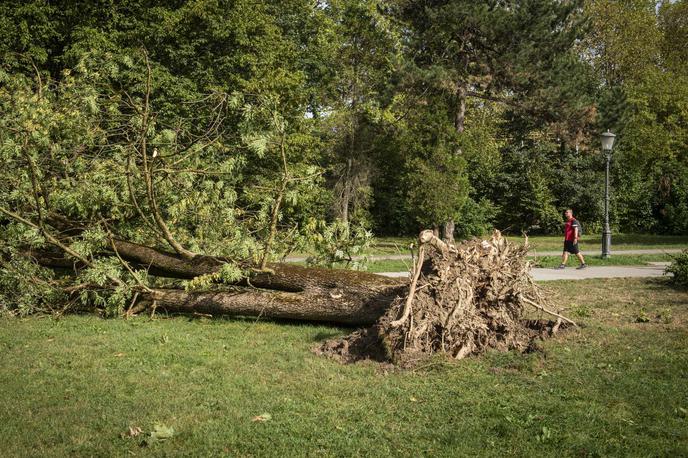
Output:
x=571 y=236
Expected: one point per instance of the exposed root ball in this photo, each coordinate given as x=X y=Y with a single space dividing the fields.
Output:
x=462 y=301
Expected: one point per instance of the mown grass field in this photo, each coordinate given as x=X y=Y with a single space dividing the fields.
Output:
x=398 y=265
x=620 y=242
x=616 y=387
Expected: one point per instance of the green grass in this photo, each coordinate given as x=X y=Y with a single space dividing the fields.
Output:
x=392 y=265
x=389 y=265
x=616 y=260
x=616 y=387
x=399 y=245
x=620 y=242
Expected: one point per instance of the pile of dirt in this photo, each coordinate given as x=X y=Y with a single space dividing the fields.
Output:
x=462 y=301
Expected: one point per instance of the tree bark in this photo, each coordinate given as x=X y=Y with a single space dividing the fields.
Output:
x=346 y=192
x=460 y=125
x=283 y=291
x=460 y=113
x=354 y=305
x=282 y=277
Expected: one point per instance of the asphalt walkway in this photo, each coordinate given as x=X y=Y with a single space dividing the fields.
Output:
x=652 y=269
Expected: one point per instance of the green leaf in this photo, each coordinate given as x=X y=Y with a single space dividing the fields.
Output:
x=257 y=143
x=91 y=104
x=160 y=433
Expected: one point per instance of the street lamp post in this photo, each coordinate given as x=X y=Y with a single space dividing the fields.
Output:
x=607 y=144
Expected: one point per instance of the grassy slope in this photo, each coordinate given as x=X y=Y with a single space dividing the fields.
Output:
x=616 y=387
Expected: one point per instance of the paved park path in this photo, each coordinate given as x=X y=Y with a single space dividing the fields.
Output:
x=655 y=269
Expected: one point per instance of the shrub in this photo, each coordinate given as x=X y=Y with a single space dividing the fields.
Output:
x=679 y=267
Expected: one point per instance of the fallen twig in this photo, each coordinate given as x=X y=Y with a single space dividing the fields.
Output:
x=540 y=307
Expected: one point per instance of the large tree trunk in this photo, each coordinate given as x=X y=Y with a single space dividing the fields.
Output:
x=277 y=276
x=282 y=291
x=459 y=124
x=353 y=305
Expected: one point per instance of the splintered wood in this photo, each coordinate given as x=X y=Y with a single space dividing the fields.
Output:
x=462 y=300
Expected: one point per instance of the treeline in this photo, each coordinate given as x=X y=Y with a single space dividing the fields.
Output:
x=260 y=122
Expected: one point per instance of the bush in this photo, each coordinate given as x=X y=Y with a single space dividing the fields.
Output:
x=475 y=218
x=679 y=267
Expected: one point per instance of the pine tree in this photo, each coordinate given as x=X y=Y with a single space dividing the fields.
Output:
x=516 y=53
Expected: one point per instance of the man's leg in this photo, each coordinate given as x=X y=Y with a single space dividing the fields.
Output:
x=564 y=258
x=580 y=258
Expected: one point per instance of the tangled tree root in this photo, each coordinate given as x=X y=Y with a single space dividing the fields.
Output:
x=461 y=301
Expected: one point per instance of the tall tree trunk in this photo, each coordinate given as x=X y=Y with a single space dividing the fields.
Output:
x=460 y=109
x=274 y=216
x=348 y=179
x=347 y=191
x=459 y=124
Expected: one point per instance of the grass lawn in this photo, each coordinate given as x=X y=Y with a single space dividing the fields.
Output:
x=592 y=242
x=397 y=265
x=616 y=387
x=620 y=242
x=399 y=245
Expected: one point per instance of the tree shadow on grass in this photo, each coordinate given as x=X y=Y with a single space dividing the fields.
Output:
x=662 y=283
x=326 y=335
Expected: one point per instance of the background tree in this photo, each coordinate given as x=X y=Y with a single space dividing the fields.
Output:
x=364 y=47
x=643 y=98
x=498 y=51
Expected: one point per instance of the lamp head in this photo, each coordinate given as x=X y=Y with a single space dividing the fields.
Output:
x=607 y=141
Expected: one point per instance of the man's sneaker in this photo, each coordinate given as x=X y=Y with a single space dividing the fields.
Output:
x=582 y=266
x=560 y=267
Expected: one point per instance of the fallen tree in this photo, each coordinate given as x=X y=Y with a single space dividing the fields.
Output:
x=461 y=300
x=237 y=180
x=284 y=291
